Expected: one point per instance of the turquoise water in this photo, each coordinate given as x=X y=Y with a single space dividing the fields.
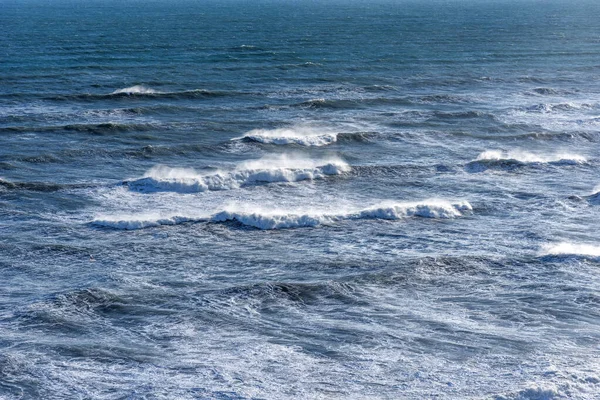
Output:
x=299 y=199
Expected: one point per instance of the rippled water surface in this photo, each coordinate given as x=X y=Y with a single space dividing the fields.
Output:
x=299 y=199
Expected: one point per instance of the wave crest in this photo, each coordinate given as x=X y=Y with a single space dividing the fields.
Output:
x=571 y=249
x=266 y=170
x=303 y=136
x=527 y=157
x=282 y=219
x=516 y=158
x=136 y=89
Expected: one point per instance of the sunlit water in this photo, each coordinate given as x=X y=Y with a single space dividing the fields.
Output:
x=297 y=199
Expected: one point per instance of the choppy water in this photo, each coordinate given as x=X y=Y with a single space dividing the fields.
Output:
x=298 y=199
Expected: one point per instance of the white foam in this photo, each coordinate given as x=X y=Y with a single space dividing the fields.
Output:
x=577 y=249
x=265 y=170
x=136 y=89
x=304 y=136
x=282 y=219
x=527 y=157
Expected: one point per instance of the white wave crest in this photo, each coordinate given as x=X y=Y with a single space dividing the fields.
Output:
x=304 y=136
x=576 y=249
x=527 y=157
x=282 y=219
x=265 y=170
x=426 y=209
x=137 y=89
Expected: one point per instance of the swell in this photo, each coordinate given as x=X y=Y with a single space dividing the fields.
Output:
x=352 y=103
x=96 y=129
x=511 y=132
x=548 y=108
x=273 y=220
x=549 y=91
x=335 y=104
x=144 y=152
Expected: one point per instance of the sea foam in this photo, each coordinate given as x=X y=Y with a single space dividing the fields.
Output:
x=285 y=219
x=266 y=170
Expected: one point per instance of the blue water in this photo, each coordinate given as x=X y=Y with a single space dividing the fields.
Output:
x=299 y=199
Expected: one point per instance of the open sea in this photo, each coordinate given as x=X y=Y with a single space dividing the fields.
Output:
x=298 y=199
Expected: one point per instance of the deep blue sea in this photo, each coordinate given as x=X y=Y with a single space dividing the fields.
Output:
x=297 y=199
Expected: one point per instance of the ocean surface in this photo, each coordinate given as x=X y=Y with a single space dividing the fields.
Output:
x=299 y=199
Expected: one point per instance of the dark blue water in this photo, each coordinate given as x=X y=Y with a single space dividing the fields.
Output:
x=299 y=199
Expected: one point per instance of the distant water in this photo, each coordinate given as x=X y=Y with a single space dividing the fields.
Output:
x=299 y=199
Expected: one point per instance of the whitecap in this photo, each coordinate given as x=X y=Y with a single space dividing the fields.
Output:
x=285 y=219
x=304 y=136
x=574 y=249
x=136 y=89
x=528 y=157
x=265 y=170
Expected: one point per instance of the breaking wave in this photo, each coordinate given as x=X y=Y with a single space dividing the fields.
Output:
x=265 y=170
x=572 y=249
x=516 y=158
x=269 y=220
x=136 y=89
x=142 y=91
x=304 y=136
x=526 y=157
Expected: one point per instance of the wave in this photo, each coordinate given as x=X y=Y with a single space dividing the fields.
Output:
x=572 y=249
x=471 y=114
x=265 y=170
x=142 y=91
x=304 y=136
x=533 y=393
x=136 y=89
x=594 y=198
x=517 y=158
x=97 y=129
x=353 y=103
x=39 y=186
x=442 y=98
x=280 y=219
x=128 y=222
x=546 y=91
x=550 y=108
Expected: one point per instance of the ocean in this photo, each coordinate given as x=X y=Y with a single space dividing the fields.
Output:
x=299 y=199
